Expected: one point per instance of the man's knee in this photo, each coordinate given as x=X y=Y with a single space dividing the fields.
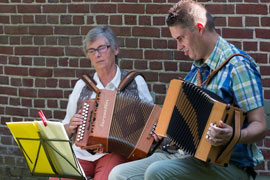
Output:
x=153 y=172
x=114 y=173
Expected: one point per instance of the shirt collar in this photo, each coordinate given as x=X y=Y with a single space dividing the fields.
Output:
x=213 y=60
x=111 y=85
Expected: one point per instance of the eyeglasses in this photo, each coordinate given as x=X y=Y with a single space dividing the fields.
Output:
x=100 y=49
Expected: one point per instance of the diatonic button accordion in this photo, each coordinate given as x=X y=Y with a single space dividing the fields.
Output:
x=185 y=118
x=119 y=123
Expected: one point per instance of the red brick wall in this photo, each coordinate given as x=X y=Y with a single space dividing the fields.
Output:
x=41 y=57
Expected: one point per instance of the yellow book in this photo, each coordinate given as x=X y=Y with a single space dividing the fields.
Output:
x=47 y=150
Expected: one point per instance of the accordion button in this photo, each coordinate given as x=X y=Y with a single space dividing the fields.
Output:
x=207 y=137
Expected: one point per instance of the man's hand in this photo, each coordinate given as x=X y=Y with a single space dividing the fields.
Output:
x=219 y=135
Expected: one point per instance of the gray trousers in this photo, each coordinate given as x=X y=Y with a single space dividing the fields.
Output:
x=164 y=166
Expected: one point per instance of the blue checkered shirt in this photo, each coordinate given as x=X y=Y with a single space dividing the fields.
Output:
x=239 y=82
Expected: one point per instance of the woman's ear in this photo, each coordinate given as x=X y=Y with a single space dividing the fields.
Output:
x=116 y=51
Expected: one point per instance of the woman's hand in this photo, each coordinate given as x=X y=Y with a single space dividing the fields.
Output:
x=75 y=121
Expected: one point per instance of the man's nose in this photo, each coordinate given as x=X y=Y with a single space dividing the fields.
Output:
x=179 y=46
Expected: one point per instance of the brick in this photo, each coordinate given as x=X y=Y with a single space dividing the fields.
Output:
x=265 y=21
x=52 y=9
x=66 y=30
x=130 y=20
x=250 y=46
x=28 y=19
x=16 y=30
x=65 y=19
x=160 y=44
x=74 y=51
x=17 y=111
x=50 y=93
x=8 y=91
x=237 y=33
x=145 y=43
x=123 y=31
x=6 y=50
x=145 y=20
x=125 y=64
x=116 y=20
x=27 y=92
x=154 y=55
x=52 y=104
x=262 y=33
x=16 y=71
x=167 y=77
x=131 y=43
x=170 y=66
x=78 y=8
x=78 y=20
x=151 y=76
x=40 y=72
x=102 y=19
x=252 y=9
x=39 y=103
x=29 y=9
x=64 y=72
x=159 y=88
x=146 y=31
x=157 y=8
x=265 y=46
x=140 y=64
x=27 y=50
x=235 y=21
x=131 y=8
x=51 y=51
x=134 y=54
x=8 y=9
x=159 y=21
x=220 y=8
x=155 y=65
x=27 y=103
x=4 y=19
x=159 y=99
x=101 y=8
x=59 y=114
x=252 y=21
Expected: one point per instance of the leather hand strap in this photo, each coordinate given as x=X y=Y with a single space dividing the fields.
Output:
x=235 y=137
x=90 y=82
x=127 y=80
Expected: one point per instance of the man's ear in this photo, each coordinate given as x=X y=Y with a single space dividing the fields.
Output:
x=200 y=26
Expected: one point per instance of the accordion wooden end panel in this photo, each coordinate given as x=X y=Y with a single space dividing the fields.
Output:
x=122 y=124
x=186 y=116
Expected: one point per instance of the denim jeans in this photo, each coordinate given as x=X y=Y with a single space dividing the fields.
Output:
x=164 y=166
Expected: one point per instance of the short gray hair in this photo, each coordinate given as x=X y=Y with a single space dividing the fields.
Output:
x=97 y=32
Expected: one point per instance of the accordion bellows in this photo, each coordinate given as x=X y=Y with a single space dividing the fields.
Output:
x=119 y=123
x=186 y=116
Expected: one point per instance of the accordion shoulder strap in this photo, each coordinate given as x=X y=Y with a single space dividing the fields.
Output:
x=127 y=80
x=90 y=82
x=210 y=77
